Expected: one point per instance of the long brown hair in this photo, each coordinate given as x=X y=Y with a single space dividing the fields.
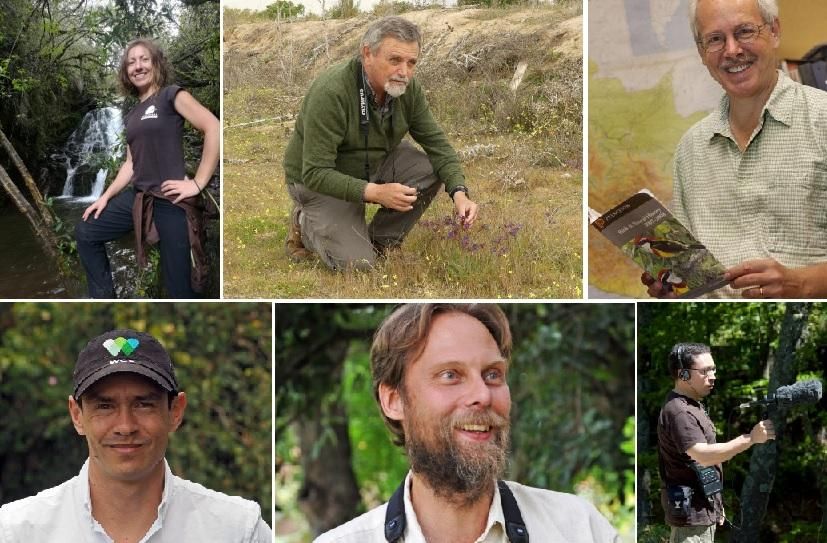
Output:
x=161 y=72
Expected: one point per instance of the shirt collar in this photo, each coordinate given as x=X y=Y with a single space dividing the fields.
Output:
x=413 y=531
x=675 y=394
x=372 y=94
x=779 y=106
x=166 y=496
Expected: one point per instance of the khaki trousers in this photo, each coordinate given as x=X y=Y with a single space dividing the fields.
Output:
x=336 y=229
x=692 y=534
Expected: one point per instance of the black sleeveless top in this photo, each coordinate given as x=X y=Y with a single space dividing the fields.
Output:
x=154 y=133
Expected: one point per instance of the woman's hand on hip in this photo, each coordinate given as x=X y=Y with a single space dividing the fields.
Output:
x=180 y=189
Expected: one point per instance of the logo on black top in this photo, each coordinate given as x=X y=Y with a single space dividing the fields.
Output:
x=150 y=113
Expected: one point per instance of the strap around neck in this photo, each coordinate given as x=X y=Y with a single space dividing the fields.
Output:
x=515 y=528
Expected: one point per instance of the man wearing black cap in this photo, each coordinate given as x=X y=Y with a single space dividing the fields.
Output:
x=126 y=402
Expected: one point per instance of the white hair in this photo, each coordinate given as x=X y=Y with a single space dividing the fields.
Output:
x=768 y=9
x=393 y=27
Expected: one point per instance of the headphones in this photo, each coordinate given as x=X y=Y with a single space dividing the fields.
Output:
x=683 y=374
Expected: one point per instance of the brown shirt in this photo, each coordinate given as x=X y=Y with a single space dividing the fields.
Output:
x=682 y=423
x=154 y=132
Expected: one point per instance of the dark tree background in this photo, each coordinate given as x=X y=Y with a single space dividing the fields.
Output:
x=757 y=347
x=221 y=354
x=572 y=390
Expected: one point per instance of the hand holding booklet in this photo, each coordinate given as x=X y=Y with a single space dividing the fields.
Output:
x=648 y=233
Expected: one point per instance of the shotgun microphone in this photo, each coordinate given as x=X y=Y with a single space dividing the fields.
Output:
x=789 y=395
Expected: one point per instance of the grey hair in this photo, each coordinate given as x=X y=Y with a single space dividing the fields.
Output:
x=768 y=9
x=393 y=27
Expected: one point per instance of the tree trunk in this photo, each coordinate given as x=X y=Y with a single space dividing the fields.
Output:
x=764 y=460
x=45 y=214
x=44 y=233
x=329 y=495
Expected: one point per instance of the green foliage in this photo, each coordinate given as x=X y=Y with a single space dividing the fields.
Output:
x=303 y=332
x=803 y=531
x=283 y=9
x=221 y=353
x=379 y=465
x=743 y=337
x=654 y=534
x=49 y=70
x=568 y=361
x=148 y=283
x=343 y=9
x=69 y=262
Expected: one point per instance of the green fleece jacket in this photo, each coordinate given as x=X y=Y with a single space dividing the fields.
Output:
x=326 y=152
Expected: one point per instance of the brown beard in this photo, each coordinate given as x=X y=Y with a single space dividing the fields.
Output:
x=453 y=472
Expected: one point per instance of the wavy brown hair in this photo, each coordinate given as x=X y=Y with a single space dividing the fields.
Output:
x=161 y=71
x=401 y=338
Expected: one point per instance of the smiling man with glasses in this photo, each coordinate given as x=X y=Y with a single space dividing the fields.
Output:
x=689 y=458
x=750 y=180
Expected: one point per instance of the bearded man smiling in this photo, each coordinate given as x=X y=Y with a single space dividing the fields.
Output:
x=440 y=378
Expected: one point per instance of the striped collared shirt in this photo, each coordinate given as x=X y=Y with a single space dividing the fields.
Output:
x=769 y=201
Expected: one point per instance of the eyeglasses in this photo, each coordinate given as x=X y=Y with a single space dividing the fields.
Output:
x=712 y=43
x=705 y=371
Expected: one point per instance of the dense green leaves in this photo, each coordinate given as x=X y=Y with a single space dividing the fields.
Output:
x=222 y=358
x=283 y=9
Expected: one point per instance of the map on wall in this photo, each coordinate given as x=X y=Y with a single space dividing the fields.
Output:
x=647 y=86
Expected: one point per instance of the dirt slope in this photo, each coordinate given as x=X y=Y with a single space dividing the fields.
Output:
x=442 y=30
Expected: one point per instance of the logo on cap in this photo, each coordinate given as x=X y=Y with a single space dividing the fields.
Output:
x=121 y=344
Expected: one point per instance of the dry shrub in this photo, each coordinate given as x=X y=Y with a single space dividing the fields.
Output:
x=548 y=104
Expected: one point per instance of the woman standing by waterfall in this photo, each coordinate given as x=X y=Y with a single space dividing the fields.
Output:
x=162 y=205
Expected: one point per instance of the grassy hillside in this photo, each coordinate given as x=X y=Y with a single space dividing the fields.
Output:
x=521 y=150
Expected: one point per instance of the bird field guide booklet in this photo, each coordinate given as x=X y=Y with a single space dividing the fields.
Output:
x=647 y=233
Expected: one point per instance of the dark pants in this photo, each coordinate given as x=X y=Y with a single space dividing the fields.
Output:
x=116 y=221
x=336 y=229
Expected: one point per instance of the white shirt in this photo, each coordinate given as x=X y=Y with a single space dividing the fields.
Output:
x=550 y=517
x=188 y=513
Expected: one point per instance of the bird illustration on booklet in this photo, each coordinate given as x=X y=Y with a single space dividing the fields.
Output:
x=647 y=233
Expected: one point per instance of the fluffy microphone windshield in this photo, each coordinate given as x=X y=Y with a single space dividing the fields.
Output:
x=800 y=392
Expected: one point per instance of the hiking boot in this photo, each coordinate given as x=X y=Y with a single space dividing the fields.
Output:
x=296 y=251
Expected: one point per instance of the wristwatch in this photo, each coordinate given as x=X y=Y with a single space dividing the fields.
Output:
x=458 y=188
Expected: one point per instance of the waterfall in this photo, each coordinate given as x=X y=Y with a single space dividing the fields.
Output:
x=93 y=140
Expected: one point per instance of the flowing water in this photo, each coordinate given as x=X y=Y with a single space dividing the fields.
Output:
x=94 y=141
x=24 y=269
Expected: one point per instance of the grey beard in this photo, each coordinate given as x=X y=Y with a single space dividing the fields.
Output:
x=453 y=474
x=395 y=89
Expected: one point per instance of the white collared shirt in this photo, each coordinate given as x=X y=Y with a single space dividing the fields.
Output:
x=550 y=517
x=188 y=513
